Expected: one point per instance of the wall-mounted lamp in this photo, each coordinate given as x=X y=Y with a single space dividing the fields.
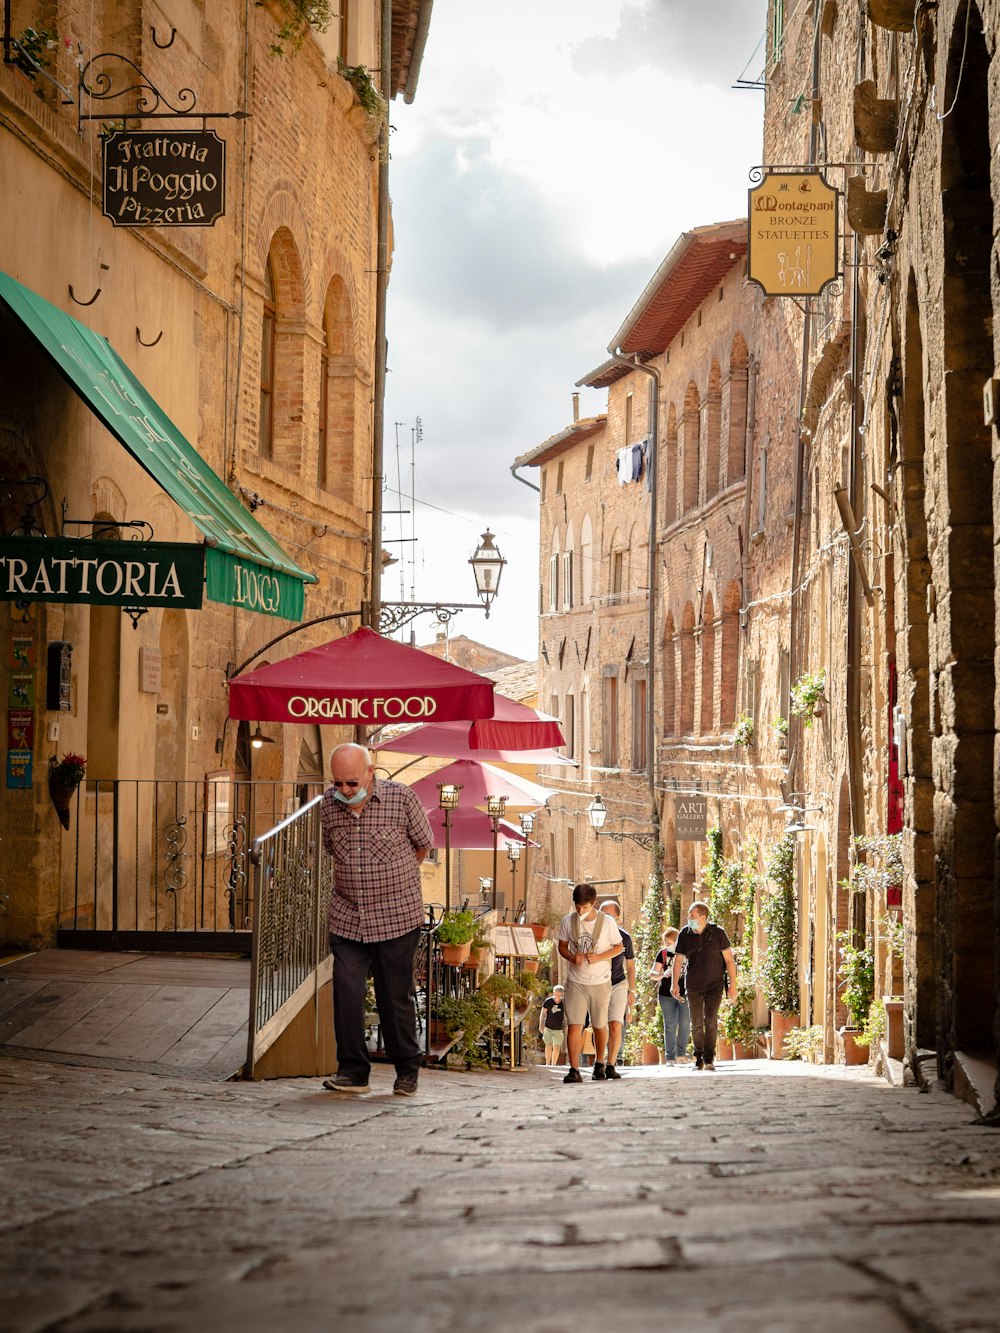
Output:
x=258 y=739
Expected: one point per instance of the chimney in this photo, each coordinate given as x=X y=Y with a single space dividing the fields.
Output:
x=576 y=407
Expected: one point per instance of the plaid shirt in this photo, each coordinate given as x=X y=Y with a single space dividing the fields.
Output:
x=376 y=894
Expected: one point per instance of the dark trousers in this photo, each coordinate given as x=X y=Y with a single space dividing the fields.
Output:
x=391 y=963
x=704 y=1006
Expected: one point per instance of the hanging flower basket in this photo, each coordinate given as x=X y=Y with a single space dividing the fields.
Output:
x=65 y=775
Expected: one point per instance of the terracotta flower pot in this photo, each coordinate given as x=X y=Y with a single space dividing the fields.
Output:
x=473 y=961
x=539 y=931
x=894 y=1027
x=650 y=1053
x=853 y=1053
x=780 y=1024
x=529 y=965
x=741 y=1052
x=724 y=1049
x=454 y=955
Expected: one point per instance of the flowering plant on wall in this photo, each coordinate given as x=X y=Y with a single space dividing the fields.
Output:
x=743 y=731
x=806 y=694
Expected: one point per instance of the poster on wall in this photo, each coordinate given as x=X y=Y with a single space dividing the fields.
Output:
x=18 y=768
x=690 y=818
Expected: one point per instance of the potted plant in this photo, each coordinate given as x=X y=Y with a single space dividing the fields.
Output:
x=455 y=933
x=743 y=732
x=804 y=1044
x=65 y=775
x=545 y=920
x=736 y=1023
x=480 y=942
x=779 y=971
x=857 y=972
x=644 y=1036
x=807 y=696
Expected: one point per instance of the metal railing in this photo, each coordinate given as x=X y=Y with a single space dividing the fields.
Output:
x=292 y=882
x=165 y=864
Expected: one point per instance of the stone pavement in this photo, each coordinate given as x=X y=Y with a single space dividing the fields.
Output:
x=775 y=1197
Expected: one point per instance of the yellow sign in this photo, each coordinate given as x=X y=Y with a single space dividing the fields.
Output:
x=793 y=230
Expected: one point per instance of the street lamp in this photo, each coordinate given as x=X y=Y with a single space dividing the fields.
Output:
x=448 y=793
x=513 y=856
x=495 y=806
x=597 y=812
x=485 y=888
x=527 y=822
x=487 y=565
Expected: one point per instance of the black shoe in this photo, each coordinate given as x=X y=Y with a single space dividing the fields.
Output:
x=343 y=1083
x=405 y=1085
x=574 y=1076
x=610 y=1072
x=598 y=1073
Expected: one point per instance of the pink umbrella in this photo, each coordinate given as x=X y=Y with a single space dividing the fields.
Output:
x=472 y=831
x=478 y=782
x=450 y=740
x=513 y=726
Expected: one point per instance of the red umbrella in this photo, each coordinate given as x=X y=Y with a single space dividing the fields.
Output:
x=472 y=831
x=360 y=679
x=479 y=781
x=513 y=727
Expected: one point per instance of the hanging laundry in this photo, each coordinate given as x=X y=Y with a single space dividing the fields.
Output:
x=624 y=465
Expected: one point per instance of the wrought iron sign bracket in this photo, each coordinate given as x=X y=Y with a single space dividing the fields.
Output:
x=103 y=87
x=27 y=526
x=394 y=615
x=645 y=840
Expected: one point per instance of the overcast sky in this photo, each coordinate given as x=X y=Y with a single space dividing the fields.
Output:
x=555 y=151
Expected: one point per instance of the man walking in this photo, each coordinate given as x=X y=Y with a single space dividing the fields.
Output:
x=377 y=834
x=622 y=990
x=588 y=940
x=709 y=958
x=550 y=1025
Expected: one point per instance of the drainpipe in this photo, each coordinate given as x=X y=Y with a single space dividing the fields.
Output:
x=633 y=363
x=523 y=480
x=753 y=367
x=381 y=286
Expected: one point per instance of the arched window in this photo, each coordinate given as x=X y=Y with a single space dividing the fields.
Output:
x=738 y=364
x=281 y=354
x=708 y=668
x=586 y=560
x=265 y=420
x=691 y=448
x=730 y=655
x=687 y=679
x=554 y=573
x=568 y=590
x=713 y=432
x=338 y=392
x=669 y=677
x=672 y=494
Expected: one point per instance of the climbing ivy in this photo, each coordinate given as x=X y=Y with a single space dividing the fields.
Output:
x=779 y=971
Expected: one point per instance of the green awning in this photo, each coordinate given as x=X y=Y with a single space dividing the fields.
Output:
x=245 y=566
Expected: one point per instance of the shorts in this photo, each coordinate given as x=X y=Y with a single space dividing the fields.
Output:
x=619 y=1002
x=553 y=1036
x=581 y=1000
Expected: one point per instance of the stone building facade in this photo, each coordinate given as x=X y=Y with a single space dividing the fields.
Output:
x=860 y=569
x=690 y=329
x=255 y=336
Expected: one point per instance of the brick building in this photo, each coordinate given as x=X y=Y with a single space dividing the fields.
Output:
x=685 y=345
x=838 y=602
x=256 y=337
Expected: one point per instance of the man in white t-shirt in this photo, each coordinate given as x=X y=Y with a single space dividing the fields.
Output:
x=588 y=940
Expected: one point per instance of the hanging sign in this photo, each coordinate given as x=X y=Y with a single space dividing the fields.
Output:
x=793 y=228
x=111 y=573
x=690 y=818
x=155 y=178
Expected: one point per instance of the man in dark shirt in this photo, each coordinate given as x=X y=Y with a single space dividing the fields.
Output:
x=709 y=958
x=377 y=834
x=622 y=990
x=551 y=1024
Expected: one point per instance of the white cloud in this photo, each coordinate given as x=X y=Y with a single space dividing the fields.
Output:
x=555 y=150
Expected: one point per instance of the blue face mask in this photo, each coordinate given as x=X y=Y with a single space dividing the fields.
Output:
x=360 y=795
x=696 y=924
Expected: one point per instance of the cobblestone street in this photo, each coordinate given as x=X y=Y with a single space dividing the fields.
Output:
x=767 y=1197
